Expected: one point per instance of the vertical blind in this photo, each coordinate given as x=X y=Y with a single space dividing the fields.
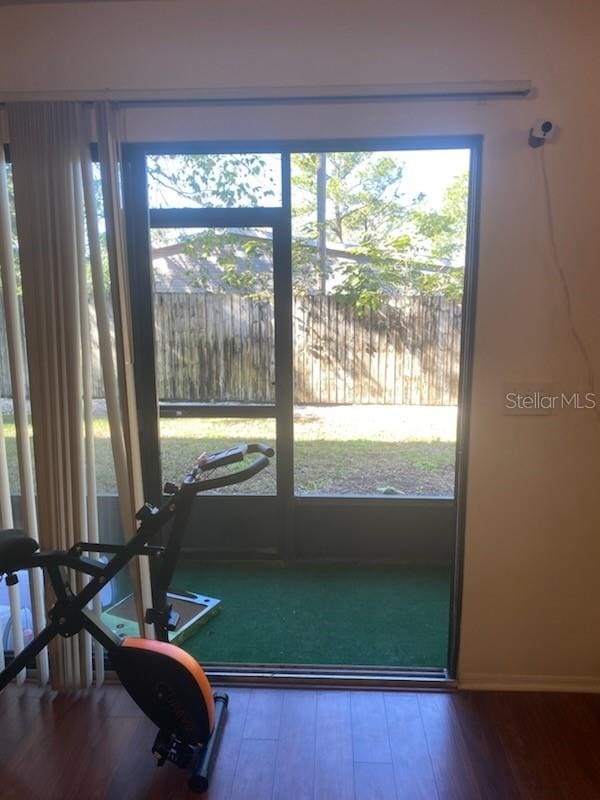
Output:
x=60 y=254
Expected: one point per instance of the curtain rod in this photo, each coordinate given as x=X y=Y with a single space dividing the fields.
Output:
x=478 y=90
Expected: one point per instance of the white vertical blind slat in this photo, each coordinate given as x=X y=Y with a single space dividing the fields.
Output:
x=130 y=472
x=85 y=640
x=91 y=499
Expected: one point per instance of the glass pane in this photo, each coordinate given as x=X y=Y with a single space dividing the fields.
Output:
x=183 y=439
x=10 y=442
x=6 y=401
x=6 y=627
x=213 y=312
x=13 y=220
x=238 y=180
x=378 y=269
x=9 y=430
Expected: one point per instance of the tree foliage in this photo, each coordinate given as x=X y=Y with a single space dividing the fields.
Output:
x=380 y=242
x=225 y=181
x=445 y=233
x=390 y=243
x=218 y=260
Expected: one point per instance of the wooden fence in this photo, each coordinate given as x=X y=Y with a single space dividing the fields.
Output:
x=218 y=347
x=406 y=354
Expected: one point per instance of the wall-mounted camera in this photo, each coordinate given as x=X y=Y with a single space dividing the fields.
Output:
x=542 y=131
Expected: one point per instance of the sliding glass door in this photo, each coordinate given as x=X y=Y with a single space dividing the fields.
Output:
x=319 y=299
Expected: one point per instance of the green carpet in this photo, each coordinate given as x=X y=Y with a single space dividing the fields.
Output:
x=271 y=613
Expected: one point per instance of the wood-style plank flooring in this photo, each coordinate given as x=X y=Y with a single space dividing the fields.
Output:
x=311 y=745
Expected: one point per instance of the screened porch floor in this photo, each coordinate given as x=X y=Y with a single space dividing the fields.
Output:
x=344 y=615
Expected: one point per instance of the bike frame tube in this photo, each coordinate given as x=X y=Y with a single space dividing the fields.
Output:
x=27 y=654
x=181 y=507
x=184 y=502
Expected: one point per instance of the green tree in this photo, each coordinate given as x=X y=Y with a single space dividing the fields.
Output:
x=365 y=211
x=443 y=235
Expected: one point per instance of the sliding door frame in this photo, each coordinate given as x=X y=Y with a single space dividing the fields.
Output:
x=139 y=221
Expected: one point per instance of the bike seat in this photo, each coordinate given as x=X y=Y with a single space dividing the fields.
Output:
x=15 y=547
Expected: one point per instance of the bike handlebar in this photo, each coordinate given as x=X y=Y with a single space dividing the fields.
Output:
x=225 y=457
x=232 y=455
x=239 y=476
x=265 y=449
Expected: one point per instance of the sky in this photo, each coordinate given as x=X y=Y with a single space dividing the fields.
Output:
x=432 y=171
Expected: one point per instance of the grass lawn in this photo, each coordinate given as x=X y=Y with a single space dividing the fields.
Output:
x=396 y=450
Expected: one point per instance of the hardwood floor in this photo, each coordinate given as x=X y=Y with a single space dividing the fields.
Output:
x=311 y=745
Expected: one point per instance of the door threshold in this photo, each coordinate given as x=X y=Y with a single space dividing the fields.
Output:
x=330 y=677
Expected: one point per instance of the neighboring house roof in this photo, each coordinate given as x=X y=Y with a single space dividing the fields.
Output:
x=174 y=269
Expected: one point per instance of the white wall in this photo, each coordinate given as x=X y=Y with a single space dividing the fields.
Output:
x=531 y=611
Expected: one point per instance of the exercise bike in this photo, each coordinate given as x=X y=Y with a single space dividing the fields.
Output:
x=167 y=683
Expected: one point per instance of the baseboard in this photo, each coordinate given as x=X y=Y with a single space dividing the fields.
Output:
x=530 y=683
